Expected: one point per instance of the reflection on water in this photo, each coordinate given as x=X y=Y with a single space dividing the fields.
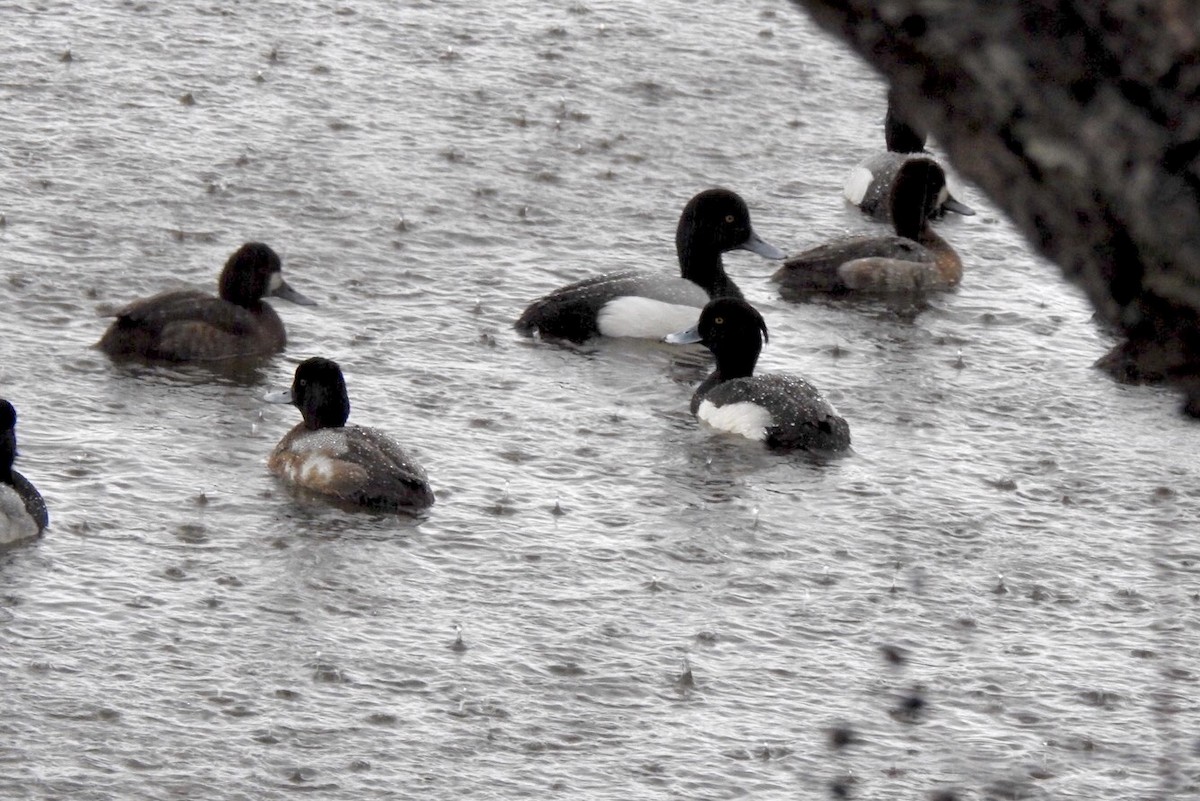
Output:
x=992 y=595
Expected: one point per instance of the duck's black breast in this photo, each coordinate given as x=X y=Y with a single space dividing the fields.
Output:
x=573 y=312
x=794 y=413
x=190 y=325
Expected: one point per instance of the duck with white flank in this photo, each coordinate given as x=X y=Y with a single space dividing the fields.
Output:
x=780 y=410
x=22 y=511
x=869 y=184
x=638 y=304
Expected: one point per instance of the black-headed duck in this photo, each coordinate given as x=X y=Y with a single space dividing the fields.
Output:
x=352 y=464
x=869 y=184
x=22 y=511
x=780 y=410
x=915 y=259
x=638 y=304
x=192 y=326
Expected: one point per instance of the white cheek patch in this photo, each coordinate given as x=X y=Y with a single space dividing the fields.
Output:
x=275 y=282
x=632 y=316
x=747 y=419
x=857 y=184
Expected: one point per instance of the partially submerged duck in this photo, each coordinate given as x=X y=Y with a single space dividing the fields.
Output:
x=192 y=326
x=780 y=410
x=868 y=185
x=23 y=513
x=633 y=303
x=915 y=259
x=352 y=464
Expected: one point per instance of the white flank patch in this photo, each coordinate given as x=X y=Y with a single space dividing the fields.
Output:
x=632 y=316
x=747 y=419
x=15 y=522
x=857 y=183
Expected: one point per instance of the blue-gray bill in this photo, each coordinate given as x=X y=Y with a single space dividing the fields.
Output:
x=958 y=207
x=688 y=336
x=756 y=244
x=285 y=292
x=279 y=396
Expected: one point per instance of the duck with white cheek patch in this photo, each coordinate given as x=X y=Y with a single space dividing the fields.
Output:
x=782 y=411
x=355 y=465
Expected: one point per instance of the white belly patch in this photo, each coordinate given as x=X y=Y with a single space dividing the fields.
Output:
x=632 y=316
x=15 y=522
x=857 y=183
x=747 y=419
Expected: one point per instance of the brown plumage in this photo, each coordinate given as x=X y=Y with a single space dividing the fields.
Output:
x=189 y=325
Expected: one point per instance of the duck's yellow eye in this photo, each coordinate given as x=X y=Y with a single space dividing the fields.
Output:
x=728 y=218
x=719 y=320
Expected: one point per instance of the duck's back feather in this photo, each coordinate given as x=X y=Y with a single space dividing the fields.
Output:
x=353 y=464
x=797 y=416
x=821 y=268
x=189 y=325
x=573 y=312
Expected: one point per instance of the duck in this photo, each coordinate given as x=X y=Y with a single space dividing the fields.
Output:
x=192 y=326
x=23 y=513
x=785 y=412
x=869 y=184
x=914 y=260
x=637 y=304
x=354 y=465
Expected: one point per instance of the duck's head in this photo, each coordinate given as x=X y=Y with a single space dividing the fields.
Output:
x=733 y=330
x=918 y=190
x=719 y=219
x=900 y=135
x=8 y=438
x=319 y=392
x=254 y=272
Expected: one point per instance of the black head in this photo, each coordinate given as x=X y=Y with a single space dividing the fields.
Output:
x=246 y=278
x=319 y=392
x=917 y=191
x=8 y=440
x=720 y=216
x=8 y=416
x=721 y=219
x=900 y=135
x=734 y=331
x=715 y=222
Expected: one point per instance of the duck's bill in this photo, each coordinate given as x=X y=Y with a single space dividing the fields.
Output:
x=756 y=244
x=958 y=208
x=285 y=292
x=280 y=396
x=688 y=336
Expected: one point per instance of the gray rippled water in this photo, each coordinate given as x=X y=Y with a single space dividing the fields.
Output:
x=995 y=595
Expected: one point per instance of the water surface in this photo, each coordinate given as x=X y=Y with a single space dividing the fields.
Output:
x=647 y=610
